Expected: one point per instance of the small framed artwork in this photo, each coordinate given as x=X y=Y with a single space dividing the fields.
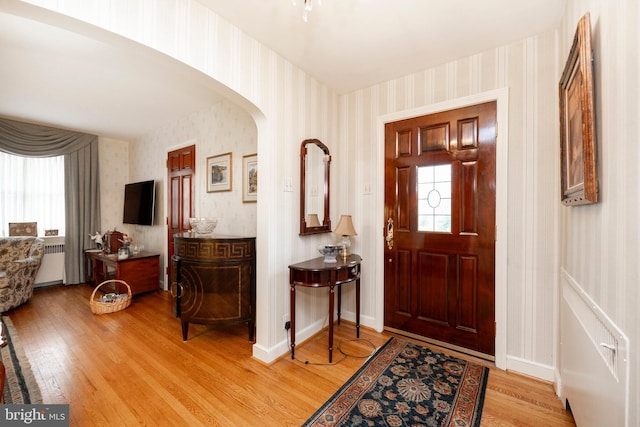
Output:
x=219 y=174
x=577 y=122
x=250 y=178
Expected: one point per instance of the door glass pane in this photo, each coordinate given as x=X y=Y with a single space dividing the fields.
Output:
x=434 y=198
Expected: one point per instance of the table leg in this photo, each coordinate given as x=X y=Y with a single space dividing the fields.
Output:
x=292 y=313
x=185 y=330
x=339 y=302
x=358 y=307
x=331 y=302
x=97 y=271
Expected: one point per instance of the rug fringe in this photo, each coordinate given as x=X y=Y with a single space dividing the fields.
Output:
x=21 y=386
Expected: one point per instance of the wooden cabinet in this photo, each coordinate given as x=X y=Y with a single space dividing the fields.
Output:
x=141 y=271
x=216 y=280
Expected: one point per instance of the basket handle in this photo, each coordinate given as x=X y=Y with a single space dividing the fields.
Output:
x=109 y=281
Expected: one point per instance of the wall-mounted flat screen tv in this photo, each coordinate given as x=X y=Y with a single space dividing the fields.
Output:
x=139 y=203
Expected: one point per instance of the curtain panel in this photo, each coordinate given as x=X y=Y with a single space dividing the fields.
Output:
x=82 y=186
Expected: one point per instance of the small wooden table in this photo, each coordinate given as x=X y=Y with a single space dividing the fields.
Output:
x=140 y=271
x=316 y=273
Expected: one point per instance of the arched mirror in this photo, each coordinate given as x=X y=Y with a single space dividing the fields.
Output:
x=314 y=188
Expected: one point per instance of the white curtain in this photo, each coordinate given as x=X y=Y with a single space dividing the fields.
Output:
x=32 y=190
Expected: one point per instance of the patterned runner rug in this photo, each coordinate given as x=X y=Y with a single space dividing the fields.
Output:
x=404 y=384
x=20 y=387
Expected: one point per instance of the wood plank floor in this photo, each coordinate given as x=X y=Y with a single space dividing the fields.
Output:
x=132 y=368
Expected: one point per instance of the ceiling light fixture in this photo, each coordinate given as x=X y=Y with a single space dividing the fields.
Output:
x=308 y=7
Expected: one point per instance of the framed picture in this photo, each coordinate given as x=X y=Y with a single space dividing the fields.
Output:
x=250 y=178
x=577 y=122
x=23 y=229
x=219 y=174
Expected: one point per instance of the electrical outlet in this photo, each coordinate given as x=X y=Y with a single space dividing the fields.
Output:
x=286 y=322
x=288 y=185
x=287 y=326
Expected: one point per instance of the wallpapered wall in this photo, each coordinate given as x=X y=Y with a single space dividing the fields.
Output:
x=219 y=129
x=114 y=174
x=601 y=242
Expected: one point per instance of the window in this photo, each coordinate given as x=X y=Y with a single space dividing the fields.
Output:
x=434 y=198
x=32 y=189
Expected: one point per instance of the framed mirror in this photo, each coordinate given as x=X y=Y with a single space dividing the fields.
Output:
x=314 y=187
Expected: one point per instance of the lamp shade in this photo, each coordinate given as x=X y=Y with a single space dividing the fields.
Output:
x=313 y=221
x=345 y=226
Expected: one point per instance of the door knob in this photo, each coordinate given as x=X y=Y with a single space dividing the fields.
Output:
x=389 y=237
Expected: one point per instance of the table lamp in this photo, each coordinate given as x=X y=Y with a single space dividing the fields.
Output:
x=313 y=221
x=345 y=229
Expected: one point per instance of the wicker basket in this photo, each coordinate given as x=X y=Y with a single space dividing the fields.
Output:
x=100 y=307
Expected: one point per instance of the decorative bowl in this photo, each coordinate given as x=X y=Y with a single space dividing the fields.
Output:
x=330 y=252
x=203 y=225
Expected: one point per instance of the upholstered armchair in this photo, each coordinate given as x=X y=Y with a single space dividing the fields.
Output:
x=20 y=259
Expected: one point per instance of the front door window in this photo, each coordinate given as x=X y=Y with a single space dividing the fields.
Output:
x=434 y=198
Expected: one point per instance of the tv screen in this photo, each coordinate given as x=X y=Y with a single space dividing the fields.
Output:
x=139 y=203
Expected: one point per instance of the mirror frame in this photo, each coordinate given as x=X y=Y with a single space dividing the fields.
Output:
x=326 y=222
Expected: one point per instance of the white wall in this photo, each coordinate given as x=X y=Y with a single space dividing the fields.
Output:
x=599 y=247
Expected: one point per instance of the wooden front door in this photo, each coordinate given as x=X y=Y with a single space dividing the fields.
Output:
x=181 y=169
x=440 y=213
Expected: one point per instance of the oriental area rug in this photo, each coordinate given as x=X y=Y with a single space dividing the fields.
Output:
x=20 y=386
x=404 y=384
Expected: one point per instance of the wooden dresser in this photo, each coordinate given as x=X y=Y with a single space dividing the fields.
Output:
x=140 y=271
x=216 y=280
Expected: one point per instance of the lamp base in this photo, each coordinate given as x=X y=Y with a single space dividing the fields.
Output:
x=346 y=244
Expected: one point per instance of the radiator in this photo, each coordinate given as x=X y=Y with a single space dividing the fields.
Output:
x=52 y=268
x=594 y=360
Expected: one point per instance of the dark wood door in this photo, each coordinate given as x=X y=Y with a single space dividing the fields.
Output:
x=440 y=210
x=181 y=169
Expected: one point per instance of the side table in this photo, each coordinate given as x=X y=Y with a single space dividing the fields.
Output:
x=141 y=271
x=315 y=273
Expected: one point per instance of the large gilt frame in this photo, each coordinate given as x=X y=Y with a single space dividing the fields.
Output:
x=577 y=122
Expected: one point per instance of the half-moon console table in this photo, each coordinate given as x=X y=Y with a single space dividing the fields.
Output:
x=316 y=273
x=216 y=280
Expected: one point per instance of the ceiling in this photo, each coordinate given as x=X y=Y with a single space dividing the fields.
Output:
x=59 y=72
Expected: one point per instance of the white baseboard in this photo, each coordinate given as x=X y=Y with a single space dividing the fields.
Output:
x=532 y=369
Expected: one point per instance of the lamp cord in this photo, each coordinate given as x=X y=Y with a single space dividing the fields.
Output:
x=344 y=353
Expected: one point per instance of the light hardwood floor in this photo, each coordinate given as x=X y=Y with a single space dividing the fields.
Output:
x=132 y=368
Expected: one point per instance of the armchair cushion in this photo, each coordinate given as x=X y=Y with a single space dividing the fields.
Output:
x=20 y=259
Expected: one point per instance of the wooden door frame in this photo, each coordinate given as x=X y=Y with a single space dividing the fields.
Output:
x=501 y=96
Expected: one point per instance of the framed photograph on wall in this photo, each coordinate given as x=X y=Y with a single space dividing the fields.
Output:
x=250 y=178
x=219 y=174
x=577 y=122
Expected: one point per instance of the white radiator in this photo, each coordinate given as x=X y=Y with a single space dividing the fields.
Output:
x=52 y=268
x=594 y=360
